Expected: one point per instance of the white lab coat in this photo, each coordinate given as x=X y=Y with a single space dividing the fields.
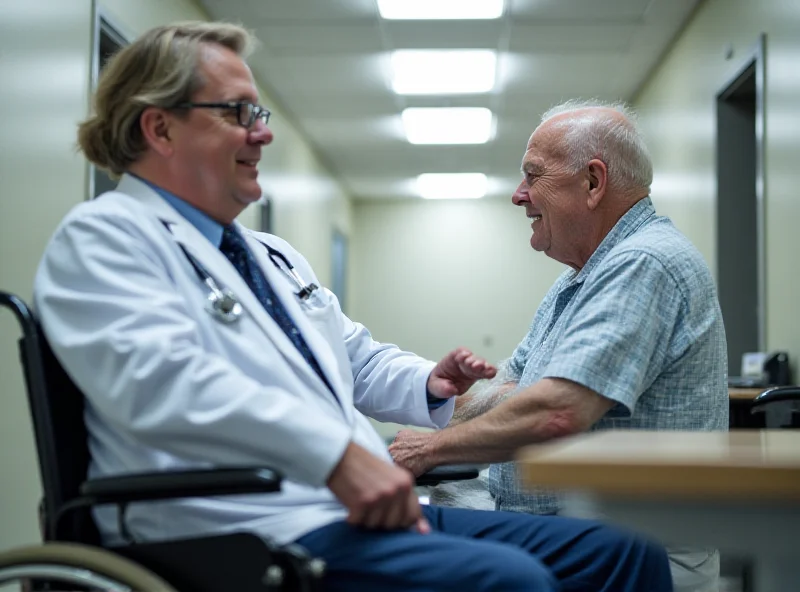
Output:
x=169 y=387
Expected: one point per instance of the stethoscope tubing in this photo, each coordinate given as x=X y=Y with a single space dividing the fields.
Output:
x=223 y=304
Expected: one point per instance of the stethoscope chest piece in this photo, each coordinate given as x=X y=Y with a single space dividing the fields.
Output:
x=222 y=305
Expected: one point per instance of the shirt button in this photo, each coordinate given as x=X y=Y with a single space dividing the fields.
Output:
x=269 y=301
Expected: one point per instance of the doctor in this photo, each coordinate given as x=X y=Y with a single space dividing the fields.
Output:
x=198 y=342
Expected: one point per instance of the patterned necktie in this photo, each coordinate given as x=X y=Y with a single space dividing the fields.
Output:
x=235 y=249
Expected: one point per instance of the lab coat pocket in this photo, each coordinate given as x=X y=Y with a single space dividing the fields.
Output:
x=322 y=310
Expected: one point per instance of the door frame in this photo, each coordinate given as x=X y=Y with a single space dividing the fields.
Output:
x=755 y=57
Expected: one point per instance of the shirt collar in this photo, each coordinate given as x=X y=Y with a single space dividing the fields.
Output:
x=208 y=227
x=641 y=211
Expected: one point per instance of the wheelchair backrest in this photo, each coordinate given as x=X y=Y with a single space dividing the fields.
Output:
x=56 y=407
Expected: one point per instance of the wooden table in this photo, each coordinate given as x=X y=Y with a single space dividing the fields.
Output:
x=745 y=394
x=738 y=491
x=739 y=408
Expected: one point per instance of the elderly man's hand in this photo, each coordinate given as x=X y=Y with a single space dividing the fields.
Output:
x=413 y=451
x=456 y=372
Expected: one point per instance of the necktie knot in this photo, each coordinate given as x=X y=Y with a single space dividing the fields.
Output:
x=235 y=250
x=232 y=242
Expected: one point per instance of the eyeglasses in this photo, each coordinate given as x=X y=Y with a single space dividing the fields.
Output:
x=246 y=113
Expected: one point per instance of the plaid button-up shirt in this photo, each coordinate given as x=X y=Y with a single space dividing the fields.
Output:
x=640 y=324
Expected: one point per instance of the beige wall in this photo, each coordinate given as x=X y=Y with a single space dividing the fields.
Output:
x=431 y=276
x=44 y=82
x=677 y=108
x=45 y=72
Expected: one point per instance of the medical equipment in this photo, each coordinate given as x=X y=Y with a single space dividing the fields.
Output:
x=223 y=305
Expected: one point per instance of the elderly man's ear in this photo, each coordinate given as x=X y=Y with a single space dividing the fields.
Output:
x=598 y=182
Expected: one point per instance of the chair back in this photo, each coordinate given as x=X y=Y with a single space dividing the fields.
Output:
x=56 y=407
x=780 y=406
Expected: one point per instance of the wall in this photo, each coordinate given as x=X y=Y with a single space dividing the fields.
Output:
x=45 y=73
x=431 y=276
x=434 y=275
x=44 y=83
x=677 y=107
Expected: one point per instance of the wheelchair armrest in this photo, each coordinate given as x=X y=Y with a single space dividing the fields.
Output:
x=448 y=473
x=775 y=395
x=176 y=484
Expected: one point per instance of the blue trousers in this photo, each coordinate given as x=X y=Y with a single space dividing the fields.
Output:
x=472 y=550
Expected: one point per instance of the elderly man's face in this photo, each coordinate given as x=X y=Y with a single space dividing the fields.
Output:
x=215 y=157
x=553 y=198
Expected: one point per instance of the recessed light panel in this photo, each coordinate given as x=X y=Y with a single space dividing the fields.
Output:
x=440 y=9
x=443 y=72
x=452 y=185
x=450 y=125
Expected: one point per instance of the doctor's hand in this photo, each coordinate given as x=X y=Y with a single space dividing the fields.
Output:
x=378 y=495
x=456 y=372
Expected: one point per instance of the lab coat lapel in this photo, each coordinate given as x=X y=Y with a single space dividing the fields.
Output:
x=220 y=269
x=285 y=291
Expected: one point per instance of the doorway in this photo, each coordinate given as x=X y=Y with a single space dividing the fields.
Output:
x=740 y=208
x=108 y=40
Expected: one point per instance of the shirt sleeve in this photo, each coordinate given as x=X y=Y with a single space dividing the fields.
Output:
x=390 y=384
x=617 y=335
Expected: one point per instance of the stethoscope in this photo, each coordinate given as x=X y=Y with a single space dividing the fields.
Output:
x=222 y=303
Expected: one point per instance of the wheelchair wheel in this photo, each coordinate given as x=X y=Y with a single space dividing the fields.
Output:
x=87 y=567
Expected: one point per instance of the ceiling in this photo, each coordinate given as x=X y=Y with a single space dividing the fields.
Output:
x=327 y=64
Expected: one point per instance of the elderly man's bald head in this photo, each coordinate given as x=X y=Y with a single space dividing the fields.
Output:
x=583 y=168
x=578 y=131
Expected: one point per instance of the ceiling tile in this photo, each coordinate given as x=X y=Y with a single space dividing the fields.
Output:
x=316 y=40
x=266 y=12
x=322 y=75
x=325 y=65
x=570 y=74
x=444 y=34
x=579 y=10
x=564 y=38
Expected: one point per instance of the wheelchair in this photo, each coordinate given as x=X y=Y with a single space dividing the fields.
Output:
x=72 y=556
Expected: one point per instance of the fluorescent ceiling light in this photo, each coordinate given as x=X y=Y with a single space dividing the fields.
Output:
x=450 y=125
x=452 y=185
x=439 y=72
x=440 y=9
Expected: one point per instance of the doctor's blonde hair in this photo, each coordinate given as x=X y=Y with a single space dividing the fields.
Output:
x=159 y=69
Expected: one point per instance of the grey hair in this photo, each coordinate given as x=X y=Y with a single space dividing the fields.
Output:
x=596 y=133
x=159 y=69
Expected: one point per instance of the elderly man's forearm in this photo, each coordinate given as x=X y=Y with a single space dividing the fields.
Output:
x=550 y=409
x=487 y=442
x=495 y=436
x=474 y=404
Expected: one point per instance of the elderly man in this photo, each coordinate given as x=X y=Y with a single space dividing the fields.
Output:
x=198 y=342
x=629 y=337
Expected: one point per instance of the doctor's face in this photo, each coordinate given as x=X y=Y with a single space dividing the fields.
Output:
x=215 y=157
